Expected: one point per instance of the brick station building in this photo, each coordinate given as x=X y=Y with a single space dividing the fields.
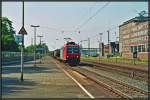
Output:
x=133 y=36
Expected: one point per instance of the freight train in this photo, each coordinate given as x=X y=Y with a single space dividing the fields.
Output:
x=70 y=53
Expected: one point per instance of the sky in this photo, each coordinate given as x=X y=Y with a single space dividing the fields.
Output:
x=59 y=20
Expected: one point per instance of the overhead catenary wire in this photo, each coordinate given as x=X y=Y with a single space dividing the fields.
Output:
x=86 y=21
x=87 y=13
x=106 y=31
x=56 y=29
x=96 y=35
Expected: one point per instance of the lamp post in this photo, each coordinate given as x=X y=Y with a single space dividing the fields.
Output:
x=35 y=42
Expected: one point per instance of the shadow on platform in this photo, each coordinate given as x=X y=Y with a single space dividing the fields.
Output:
x=29 y=69
x=10 y=85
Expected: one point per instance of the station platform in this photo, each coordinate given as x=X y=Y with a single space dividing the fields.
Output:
x=45 y=80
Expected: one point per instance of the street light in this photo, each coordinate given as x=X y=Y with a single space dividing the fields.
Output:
x=35 y=43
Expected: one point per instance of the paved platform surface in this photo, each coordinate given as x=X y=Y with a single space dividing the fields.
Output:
x=43 y=81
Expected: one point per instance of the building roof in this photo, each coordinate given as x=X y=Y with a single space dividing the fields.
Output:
x=136 y=19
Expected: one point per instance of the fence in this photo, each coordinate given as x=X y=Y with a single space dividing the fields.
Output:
x=15 y=57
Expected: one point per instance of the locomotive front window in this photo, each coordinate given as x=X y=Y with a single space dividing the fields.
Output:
x=76 y=50
x=72 y=49
x=69 y=50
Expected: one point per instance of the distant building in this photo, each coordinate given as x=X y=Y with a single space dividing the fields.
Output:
x=106 y=50
x=133 y=37
x=94 y=52
x=113 y=48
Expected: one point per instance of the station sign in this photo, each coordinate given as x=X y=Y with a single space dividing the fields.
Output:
x=18 y=38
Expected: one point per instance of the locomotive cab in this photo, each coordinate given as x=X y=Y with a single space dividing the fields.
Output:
x=72 y=53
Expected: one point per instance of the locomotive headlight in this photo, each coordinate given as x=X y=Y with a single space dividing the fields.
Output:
x=77 y=56
x=67 y=56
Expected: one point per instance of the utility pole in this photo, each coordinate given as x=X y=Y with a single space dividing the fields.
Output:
x=56 y=41
x=31 y=41
x=108 y=41
x=116 y=42
x=89 y=45
x=35 y=43
x=32 y=44
x=22 y=47
x=81 y=44
x=116 y=50
x=40 y=36
x=100 y=42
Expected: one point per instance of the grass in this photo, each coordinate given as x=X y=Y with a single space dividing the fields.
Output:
x=116 y=60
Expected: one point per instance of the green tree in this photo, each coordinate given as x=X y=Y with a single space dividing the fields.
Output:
x=8 y=40
x=30 y=48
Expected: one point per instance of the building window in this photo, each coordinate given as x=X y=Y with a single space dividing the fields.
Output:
x=146 y=47
x=132 y=49
x=135 y=48
x=143 y=48
x=139 y=48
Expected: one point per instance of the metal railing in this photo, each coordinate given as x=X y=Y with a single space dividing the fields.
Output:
x=15 y=57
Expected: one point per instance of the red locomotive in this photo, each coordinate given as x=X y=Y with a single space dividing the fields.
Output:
x=70 y=53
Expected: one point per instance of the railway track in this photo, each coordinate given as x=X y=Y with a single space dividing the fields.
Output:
x=106 y=90
x=120 y=89
x=137 y=74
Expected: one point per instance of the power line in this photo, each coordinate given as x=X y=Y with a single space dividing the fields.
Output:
x=86 y=21
x=90 y=8
x=106 y=31
x=56 y=29
x=93 y=6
